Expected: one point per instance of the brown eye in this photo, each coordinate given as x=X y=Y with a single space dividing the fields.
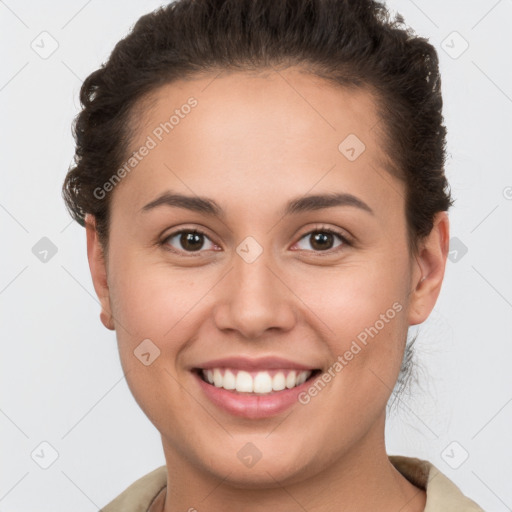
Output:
x=323 y=240
x=191 y=240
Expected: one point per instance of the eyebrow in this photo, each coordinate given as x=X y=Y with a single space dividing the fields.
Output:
x=301 y=204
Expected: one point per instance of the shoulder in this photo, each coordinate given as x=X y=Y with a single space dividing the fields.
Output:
x=139 y=495
x=442 y=494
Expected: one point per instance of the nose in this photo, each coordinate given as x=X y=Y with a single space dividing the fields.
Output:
x=255 y=299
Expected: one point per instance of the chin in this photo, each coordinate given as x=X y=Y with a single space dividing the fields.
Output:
x=271 y=472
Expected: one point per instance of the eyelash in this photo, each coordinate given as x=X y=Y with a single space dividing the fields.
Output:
x=319 y=229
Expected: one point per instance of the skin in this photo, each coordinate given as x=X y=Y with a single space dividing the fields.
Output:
x=252 y=143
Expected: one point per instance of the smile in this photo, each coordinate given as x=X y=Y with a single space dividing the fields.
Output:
x=251 y=393
x=255 y=382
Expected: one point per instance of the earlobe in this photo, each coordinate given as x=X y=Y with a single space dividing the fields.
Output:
x=98 y=270
x=428 y=274
x=106 y=320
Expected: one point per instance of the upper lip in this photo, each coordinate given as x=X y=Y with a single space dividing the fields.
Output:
x=247 y=363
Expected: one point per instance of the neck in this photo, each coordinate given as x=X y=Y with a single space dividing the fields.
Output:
x=362 y=479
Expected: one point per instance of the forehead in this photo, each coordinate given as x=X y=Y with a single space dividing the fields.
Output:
x=263 y=104
x=253 y=135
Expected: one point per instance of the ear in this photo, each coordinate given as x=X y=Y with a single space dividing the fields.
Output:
x=428 y=272
x=98 y=271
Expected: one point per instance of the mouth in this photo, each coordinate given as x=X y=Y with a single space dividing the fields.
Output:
x=255 y=382
x=254 y=388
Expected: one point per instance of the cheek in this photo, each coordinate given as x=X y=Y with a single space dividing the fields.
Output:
x=365 y=309
x=153 y=312
x=150 y=300
x=152 y=308
x=354 y=297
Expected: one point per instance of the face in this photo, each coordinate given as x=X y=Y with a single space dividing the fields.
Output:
x=262 y=282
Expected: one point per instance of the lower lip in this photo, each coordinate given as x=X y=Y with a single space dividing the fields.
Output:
x=252 y=406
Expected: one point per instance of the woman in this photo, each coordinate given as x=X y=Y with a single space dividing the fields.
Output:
x=299 y=146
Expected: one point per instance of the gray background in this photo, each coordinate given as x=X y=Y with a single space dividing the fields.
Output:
x=61 y=379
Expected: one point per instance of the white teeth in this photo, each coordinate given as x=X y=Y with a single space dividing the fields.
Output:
x=243 y=382
x=278 y=382
x=291 y=380
x=229 y=381
x=217 y=378
x=262 y=382
x=301 y=378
